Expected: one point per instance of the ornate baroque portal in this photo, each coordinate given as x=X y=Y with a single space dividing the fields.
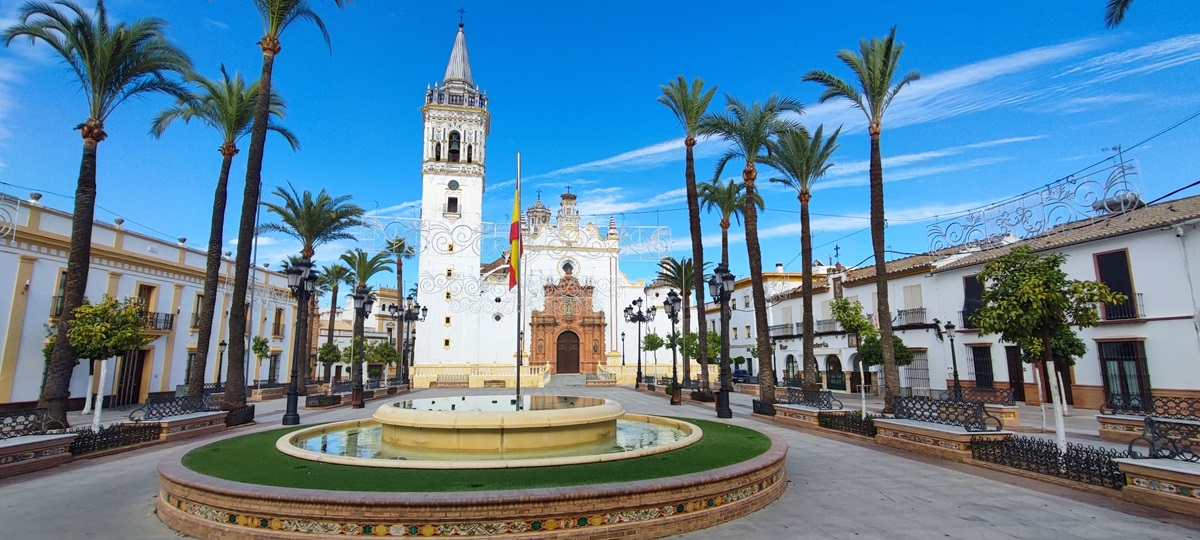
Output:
x=567 y=335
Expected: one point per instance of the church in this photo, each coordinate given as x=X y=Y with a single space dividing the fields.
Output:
x=574 y=291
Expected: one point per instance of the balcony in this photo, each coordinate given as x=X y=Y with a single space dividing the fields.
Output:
x=779 y=330
x=826 y=326
x=162 y=322
x=1131 y=308
x=914 y=316
x=56 y=307
x=969 y=309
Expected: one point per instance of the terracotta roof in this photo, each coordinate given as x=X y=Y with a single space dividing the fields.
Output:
x=487 y=268
x=1146 y=218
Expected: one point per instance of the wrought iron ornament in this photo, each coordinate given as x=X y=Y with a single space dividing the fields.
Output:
x=993 y=396
x=1082 y=463
x=1180 y=408
x=854 y=422
x=161 y=408
x=28 y=422
x=1166 y=439
x=967 y=415
x=113 y=436
x=819 y=399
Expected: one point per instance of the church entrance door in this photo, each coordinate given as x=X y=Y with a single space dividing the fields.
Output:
x=567 y=359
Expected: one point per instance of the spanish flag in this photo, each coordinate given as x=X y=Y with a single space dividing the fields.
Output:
x=514 y=234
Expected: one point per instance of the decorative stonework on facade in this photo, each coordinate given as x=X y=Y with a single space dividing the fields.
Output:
x=568 y=336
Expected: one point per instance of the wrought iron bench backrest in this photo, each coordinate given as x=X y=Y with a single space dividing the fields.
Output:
x=155 y=409
x=970 y=416
x=820 y=399
x=28 y=422
x=340 y=387
x=1167 y=439
x=1181 y=408
x=993 y=396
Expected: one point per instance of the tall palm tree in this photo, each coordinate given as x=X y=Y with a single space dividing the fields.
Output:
x=1114 y=12
x=113 y=64
x=276 y=16
x=749 y=128
x=334 y=275
x=729 y=200
x=679 y=273
x=363 y=267
x=402 y=250
x=313 y=220
x=802 y=160
x=688 y=104
x=226 y=105
x=874 y=66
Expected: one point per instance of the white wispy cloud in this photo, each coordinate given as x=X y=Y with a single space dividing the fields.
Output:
x=612 y=202
x=912 y=172
x=860 y=166
x=216 y=24
x=1148 y=58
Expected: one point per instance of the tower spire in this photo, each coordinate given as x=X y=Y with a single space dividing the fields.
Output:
x=459 y=68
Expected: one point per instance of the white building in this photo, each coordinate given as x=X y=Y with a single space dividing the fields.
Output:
x=168 y=277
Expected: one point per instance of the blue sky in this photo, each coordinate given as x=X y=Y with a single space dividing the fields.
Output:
x=1014 y=95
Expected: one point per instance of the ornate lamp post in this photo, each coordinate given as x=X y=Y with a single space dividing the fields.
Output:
x=302 y=280
x=622 y=348
x=634 y=314
x=220 y=360
x=954 y=361
x=410 y=312
x=720 y=286
x=671 y=306
x=362 y=309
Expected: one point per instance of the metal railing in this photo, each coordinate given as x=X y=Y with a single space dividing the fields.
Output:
x=967 y=415
x=113 y=436
x=854 y=422
x=1081 y=463
x=819 y=399
x=969 y=309
x=1131 y=308
x=777 y=330
x=1167 y=439
x=1179 y=408
x=826 y=326
x=160 y=321
x=992 y=396
x=910 y=316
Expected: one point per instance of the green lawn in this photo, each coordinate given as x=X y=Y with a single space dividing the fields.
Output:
x=253 y=459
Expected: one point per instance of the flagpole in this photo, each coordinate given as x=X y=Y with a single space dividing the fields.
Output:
x=520 y=310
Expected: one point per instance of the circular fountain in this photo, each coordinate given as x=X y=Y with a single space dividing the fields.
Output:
x=488 y=432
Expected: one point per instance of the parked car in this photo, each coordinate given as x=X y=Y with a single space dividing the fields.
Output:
x=740 y=375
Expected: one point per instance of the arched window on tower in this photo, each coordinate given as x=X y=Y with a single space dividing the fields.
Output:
x=469 y=153
x=453 y=149
x=437 y=152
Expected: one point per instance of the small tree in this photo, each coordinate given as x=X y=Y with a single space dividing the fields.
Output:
x=652 y=342
x=1029 y=301
x=328 y=355
x=261 y=349
x=870 y=351
x=101 y=331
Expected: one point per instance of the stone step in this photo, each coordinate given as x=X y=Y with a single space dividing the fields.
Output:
x=567 y=379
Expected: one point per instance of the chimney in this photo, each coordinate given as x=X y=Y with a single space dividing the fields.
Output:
x=35 y=198
x=118 y=222
x=778 y=268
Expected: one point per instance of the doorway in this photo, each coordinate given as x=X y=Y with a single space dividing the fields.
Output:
x=567 y=356
x=836 y=377
x=127 y=389
x=1065 y=371
x=1016 y=372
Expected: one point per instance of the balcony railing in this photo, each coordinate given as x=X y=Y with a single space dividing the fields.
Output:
x=1131 y=308
x=969 y=309
x=56 y=306
x=777 y=330
x=825 y=326
x=910 y=316
x=160 y=321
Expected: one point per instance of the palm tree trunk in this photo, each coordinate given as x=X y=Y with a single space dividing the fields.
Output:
x=300 y=354
x=235 y=390
x=693 y=199
x=687 y=328
x=725 y=243
x=810 y=360
x=212 y=272
x=357 y=342
x=883 y=312
x=766 y=372
x=56 y=387
x=333 y=307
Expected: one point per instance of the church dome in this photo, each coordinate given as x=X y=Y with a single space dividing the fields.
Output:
x=538 y=213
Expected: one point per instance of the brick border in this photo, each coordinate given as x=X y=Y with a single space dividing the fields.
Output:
x=207 y=507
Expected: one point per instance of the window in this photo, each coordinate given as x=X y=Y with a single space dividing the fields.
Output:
x=453 y=149
x=437 y=152
x=1123 y=366
x=745 y=301
x=273 y=370
x=452 y=205
x=981 y=362
x=446 y=320
x=277 y=326
x=446 y=343
x=748 y=336
x=197 y=308
x=145 y=296
x=447 y=296
x=449 y=272
x=972 y=300
x=56 y=306
x=734 y=332
x=1113 y=270
x=469 y=153
x=449 y=248
x=912 y=297
x=187 y=371
x=916 y=375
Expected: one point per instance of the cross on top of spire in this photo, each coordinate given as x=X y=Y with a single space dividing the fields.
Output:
x=461 y=11
x=568 y=188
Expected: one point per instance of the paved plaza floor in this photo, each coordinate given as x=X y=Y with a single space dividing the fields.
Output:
x=839 y=489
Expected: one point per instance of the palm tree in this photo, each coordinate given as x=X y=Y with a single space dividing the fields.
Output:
x=313 y=221
x=688 y=104
x=363 y=267
x=802 y=160
x=114 y=64
x=276 y=16
x=1114 y=12
x=679 y=273
x=749 y=128
x=729 y=199
x=875 y=66
x=334 y=275
x=400 y=248
x=226 y=105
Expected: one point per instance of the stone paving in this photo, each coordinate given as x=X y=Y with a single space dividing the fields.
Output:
x=840 y=488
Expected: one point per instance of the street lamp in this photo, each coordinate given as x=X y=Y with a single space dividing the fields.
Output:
x=220 y=360
x=622 y=348
x=362 y=309
x=720 y=286
x=408 y=312
x=954 y=361
x=634 y=314
x=302 y=280
x=672 y=308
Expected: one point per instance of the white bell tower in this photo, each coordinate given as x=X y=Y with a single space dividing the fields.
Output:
x=452 y=171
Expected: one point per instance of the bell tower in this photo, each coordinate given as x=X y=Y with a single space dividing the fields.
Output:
x=452 y=173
